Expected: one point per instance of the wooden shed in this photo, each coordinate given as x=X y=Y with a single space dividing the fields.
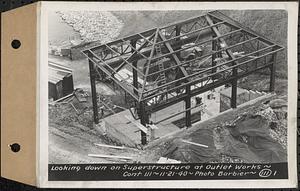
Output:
x=60 y=81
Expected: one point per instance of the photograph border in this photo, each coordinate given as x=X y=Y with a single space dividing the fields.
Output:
x=42 y=102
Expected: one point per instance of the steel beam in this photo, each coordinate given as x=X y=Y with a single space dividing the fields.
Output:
x=273 y=72
x=209 y=69
x=177 y=33
x=174 y=115
x=147 y=51
x=125 y=60
x=206 y=55
x=144 y=121
x=196 y=44
x=123 y=86
x=148 y=63
x=214 y=49
x=173 y=56
x=93 y=56
x=134 y=72
x=160 y=106
x=188 y=33
x=233 y=101
x=231 y=56
x=93 y=90
x=130 y=37
x=188 y=119
x=207 y=76
x=235 y=24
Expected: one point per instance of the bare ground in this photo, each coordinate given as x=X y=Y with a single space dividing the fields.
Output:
x=72 y=136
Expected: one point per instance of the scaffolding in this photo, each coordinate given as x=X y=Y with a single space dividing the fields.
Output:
x=173 y=63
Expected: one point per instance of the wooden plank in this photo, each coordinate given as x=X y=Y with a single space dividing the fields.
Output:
x=107 y=106
x=152 y=126
x=197 y=144
x=60 y=99
x=137 y=124
x=110 y=156
x=74 y=108
x=109 y=146
x=163 y=160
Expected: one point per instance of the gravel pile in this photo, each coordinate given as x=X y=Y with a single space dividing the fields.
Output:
x=93 y=25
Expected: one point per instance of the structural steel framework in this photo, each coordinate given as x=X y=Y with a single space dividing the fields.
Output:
x=173 y=63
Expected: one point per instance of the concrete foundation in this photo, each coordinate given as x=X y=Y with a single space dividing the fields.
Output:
x=124 y=129
x=243 y=96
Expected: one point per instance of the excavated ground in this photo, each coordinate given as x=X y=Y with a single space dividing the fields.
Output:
x=254 y=133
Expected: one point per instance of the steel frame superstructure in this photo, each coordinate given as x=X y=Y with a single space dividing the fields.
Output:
x=153 y=54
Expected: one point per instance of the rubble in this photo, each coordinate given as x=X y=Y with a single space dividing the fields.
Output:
x=93 y=25
x=257 y=135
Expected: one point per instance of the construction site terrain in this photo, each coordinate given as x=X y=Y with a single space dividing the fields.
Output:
x=253 y=131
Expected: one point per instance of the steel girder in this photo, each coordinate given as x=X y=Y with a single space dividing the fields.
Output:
x=139 y=51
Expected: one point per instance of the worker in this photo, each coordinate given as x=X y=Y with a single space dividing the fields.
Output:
x=198 y=100
x=102 y=111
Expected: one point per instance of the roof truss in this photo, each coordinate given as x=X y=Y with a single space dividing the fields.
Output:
x=200 y=32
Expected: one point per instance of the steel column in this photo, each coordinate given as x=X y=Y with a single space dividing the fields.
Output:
x=177 y=33
x=188 y=120
x=272 y=75
x=202 y=90
x=231 y=56
x=134 y=72
x=144 y=121
x=234 y=84
x=213 y=56
x=233 y=92
x=93 y=90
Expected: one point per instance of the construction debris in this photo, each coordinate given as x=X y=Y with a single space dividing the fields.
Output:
x=258 y=135
x=110 y=146
x=137 y=124
x=163 y=160
x=62 y=99
x=197 y=144
x=110 y=156
x=74 y=108
x=93 y=25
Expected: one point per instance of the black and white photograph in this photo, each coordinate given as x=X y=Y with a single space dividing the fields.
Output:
x=168 y=87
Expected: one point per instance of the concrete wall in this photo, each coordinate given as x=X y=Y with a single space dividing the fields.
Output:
x=115 y=135
x=242 y=97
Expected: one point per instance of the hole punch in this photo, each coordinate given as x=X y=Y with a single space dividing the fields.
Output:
x=16 y=44
x=15 y=147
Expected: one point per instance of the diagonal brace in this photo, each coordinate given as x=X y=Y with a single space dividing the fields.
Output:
x=174 y=56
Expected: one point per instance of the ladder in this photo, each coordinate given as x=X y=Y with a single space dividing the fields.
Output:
x=160 y=64
x=162 y=75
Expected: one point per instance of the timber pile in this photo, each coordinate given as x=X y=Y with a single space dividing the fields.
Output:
x=93 y=25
